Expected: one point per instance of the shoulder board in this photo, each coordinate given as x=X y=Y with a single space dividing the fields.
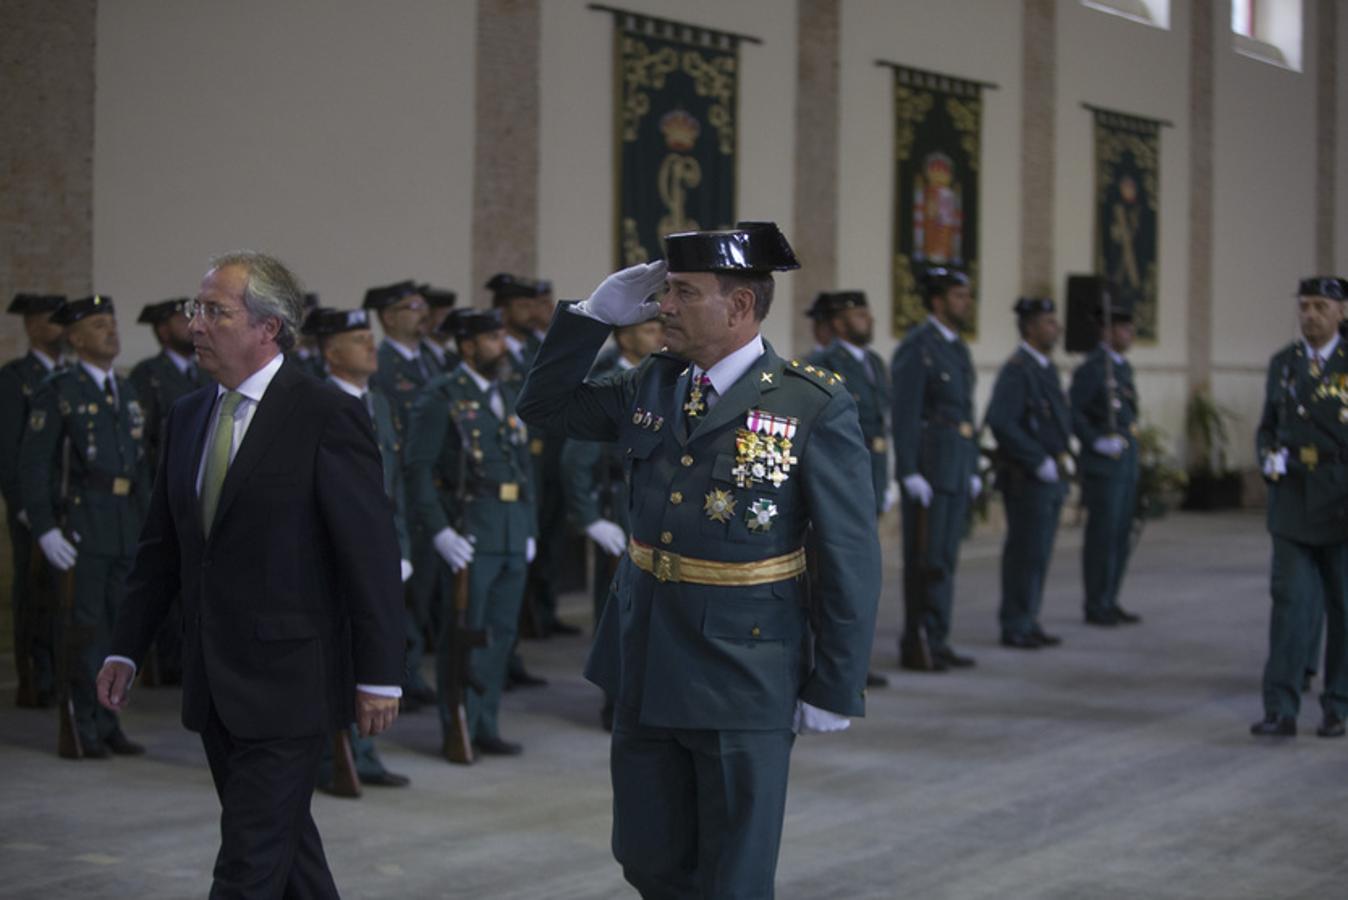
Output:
x=825 y=379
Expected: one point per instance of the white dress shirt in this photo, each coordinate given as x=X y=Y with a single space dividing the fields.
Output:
x=940 y=326
x=488 y=387
x=731 y=368
x=47 y=362
x=1038 y=357
x=180 y=362
x=1324 y=352
x=101 y=379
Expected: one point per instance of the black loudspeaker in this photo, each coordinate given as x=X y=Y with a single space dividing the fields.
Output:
x=1085 y=297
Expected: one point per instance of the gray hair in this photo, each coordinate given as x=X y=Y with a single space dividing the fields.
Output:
x=271 y=292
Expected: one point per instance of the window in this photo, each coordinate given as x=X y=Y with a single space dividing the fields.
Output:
x=1268 y=30
x=1148 y=12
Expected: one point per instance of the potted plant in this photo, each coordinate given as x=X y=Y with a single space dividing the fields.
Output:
x=1213 y=484
x=1161 y=483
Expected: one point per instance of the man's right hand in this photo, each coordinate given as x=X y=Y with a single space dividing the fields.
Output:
x=114 y=684
x=917 y=488
x=608 y=536
x=454 y=549
x=59 y=551
x=624 y=298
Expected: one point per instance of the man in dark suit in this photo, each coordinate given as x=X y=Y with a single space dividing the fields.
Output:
x=269 y=516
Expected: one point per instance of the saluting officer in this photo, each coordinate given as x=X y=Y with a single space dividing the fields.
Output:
x=19 y=380
x=593 y=480
x=346 y=349
x=733 y=453
x=936 y=460
x=467 y=460
x=1032 y=423
x=1104 y=419
x=86 y=434
x=1303 y=449
x=437 y=343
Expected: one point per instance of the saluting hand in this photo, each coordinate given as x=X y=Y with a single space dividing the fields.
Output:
x=374 y=713
x=624 y=298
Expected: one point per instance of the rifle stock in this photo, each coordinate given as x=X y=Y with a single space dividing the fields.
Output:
x=458 y=746
x=68 y=743
x=915 y=652
x=345 y=781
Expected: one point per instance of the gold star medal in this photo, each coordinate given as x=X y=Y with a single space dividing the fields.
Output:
x=719 y=505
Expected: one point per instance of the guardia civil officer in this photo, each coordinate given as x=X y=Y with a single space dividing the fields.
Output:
x=820 y=328
x=732 y=454
x=1030 y=418
x=404 y=366
x=1104 y=419
x=437 y=343
x=29 y=602
x=305 y=354
x=936 y=460
x=1302 y=444
x=467 y=461
x=85 y=434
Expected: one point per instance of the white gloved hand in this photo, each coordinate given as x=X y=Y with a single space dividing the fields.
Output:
x=1109 y=445
x=1275 y=464
x=406 y=567
x=813 y=720
x=454 y=548
x=975 y=487
x=891 y=496
x=607 y=536
x=917 y=488
x=1047 y=471
x=59 y=551
x=23 y=518
x=530 y=549
x=624 y=298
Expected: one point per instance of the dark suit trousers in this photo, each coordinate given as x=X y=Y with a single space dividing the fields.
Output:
x=699 y=813
x=269 y=844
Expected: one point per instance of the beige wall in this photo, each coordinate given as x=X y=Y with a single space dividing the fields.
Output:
x=1341 y=172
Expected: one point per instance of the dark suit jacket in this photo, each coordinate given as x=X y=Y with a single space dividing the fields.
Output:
x=295 y=597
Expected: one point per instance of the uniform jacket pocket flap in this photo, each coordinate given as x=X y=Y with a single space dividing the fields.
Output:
x=641 y=444
x=286 y=628
x=745 y=620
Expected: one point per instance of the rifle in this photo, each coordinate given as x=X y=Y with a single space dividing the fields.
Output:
x=68 y=744
x=27 y=693
x=458 y=743
x=345 y=781
x=1111 y=383
x=913 y=651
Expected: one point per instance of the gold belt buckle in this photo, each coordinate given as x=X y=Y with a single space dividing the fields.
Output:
x=1310 y=456
x=879 y=445
x=665 y=565
x=121 y=487
x=536 y=446
x=966 y=430
x=510 y=492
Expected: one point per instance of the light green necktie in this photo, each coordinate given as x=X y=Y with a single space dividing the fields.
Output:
x=217 y=458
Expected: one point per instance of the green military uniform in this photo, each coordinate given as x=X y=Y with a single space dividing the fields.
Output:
x=1030 y=419
x=74 y=422
x=310 y=362
x=934 y=437
x=19 y=380
x=1306 y=415
x=867 y=380
x=468 y=469
x=1108 y=483
x=705 y=641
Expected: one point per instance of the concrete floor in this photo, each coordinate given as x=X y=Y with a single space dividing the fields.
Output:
x=1116 y=766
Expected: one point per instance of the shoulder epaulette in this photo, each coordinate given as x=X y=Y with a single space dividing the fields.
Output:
x=827 y=380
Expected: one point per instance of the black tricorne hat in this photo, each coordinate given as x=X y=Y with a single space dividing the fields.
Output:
x=386 y=296
x=748 y=248
x=468 y=322
x=1033 y=306
x=437 y=297
x=323 y=322
x=73 y=311
x=504 y=286
x=154 y=313
x=839 y=301
x=1324 y=286
x=31 y=304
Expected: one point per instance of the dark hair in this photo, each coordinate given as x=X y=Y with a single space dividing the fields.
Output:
x=760 y=283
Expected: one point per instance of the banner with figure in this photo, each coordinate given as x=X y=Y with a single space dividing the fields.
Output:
x=1127 y=195
x=937 y=133
x=677 y=125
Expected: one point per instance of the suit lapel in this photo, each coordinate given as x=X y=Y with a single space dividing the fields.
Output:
x=184 y=475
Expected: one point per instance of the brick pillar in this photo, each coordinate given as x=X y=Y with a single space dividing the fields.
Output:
x=1326 y=133
x=1039 y=97
x=1202 y=43
x=506 y=149
x=46 y=152
x=814 y=233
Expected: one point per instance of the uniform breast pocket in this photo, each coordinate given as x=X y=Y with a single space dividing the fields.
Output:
x=639 y=462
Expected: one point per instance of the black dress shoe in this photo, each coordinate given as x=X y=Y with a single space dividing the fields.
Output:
x=876 y=680
x=1331 y=726
x=1105 y=619
x=385 y=779
x=565 y=629
x=122 y=745
x=1124 y=617
x=1020 y=642
x=495 y=746
x=1044 y=638
x=523 y=679
x=953 y=660
x=1275 y=726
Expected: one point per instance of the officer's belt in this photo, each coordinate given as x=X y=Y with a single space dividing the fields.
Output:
x=1311 y=456
x=666 y=566
x=505 y=491
x=117 y=485
x=965 y=428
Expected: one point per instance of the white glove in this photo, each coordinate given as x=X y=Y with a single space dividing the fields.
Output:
x=608 y=536
x=890 y=498
x=454 y=548
x=813 y=720
x=1275 y=464
x=23 y=518
x=59 y=551
x=1109 y=445
x=1047 y=471
x=624 y=298
x=530 y=549
x=406 y=567
x=975 y=487
x=917 y=488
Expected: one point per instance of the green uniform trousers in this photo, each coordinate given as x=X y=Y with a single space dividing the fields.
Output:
x=495 y=592
x=947 y=520
x=1303 y=573
x=1032 y=509
x=1109 y=506
x=698 y=814
x=100 y=585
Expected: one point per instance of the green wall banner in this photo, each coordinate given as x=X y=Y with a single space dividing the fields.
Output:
x=1127 y=196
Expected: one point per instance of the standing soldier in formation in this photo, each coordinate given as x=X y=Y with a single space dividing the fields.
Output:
x=1032 y=423
x=1104 y=419
x=936 y=460
x=439 y=303
x=305 y=353
x=467 y=459
x=733 y=453
x=31 y=600
x=160 y=380
x=1302 y=444
x=820 y=329
x=593 y=479
x=346 y=349
x=86 y=435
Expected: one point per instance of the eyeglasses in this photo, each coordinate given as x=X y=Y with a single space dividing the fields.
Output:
x=209 y=310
